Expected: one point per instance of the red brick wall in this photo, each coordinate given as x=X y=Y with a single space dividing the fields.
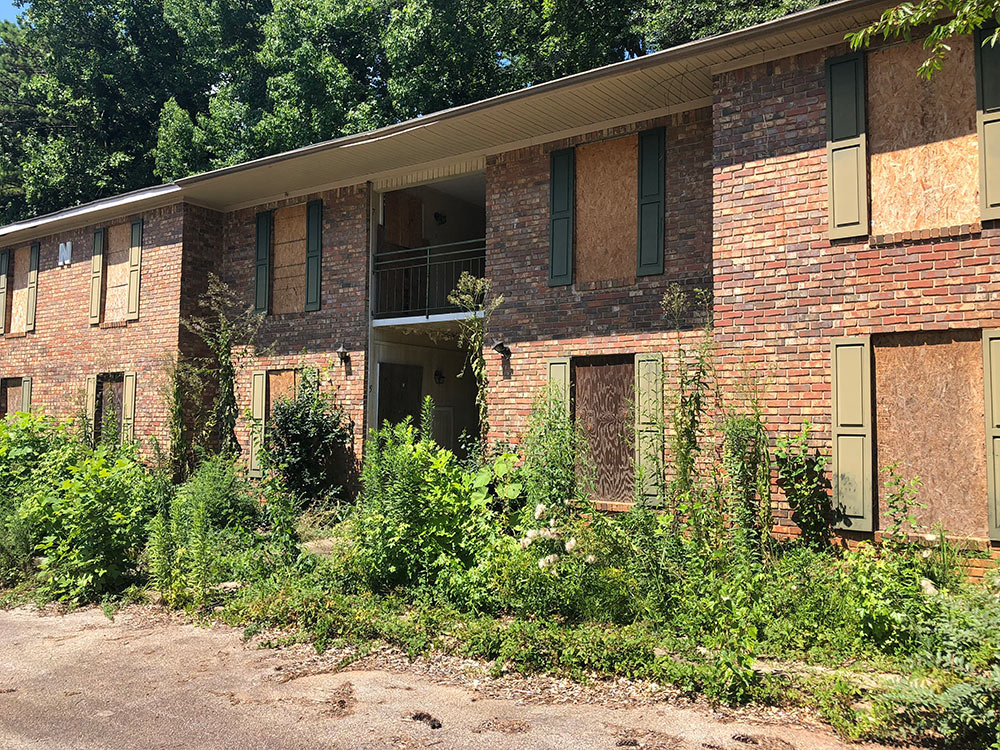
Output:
x=64 y=347
x=782 y=289
x=311 y=338
x=538 y=321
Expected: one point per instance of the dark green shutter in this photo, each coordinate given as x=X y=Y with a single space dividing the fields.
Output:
x=988 y=123
x=96 y=277
x=128 y=407
x=649 y=424
x=559 y=384
x=262 y=273
x=561 y=199
x=852 y=433
x=846 y=149
x=258 y=398
x=32 y=302
x=4 y=270
x=26 y=395
x=134 y=270
x=991 y=381
x=649 y=253
x=314 y=253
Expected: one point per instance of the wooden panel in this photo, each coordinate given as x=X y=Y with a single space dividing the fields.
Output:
x=288 y=260
x=562 y=201
x=258 y=399
x=922 y=138
x=929 y=418
x=280 y=385
x=10 y=397
x=116 y=272
x=404 y=222
x=649 y=422
x=400 y=390
x=558 y=382
x=604 y=394
x=96 y=277
x=606 y=209
x=991 y=389
x=18 y=290
x=989 y=129
x=134 y=269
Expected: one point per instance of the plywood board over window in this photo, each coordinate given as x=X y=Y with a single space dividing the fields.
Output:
x=922 y=139
x=19 y=289
x=116 y=273
x=606 y=188
x=288 y=267
x=10 y=397
x=929 y=418
x=280 y=385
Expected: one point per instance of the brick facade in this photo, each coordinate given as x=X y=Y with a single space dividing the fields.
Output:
x=745 y=217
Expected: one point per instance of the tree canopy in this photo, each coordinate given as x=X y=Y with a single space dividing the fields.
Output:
x=105 y=96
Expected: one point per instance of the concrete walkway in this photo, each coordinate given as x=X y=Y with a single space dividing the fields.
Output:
x=148 y=681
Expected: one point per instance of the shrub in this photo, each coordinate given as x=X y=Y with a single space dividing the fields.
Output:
x=802 y=477
x=420 y=515
x=309 y=443
x=92 y=525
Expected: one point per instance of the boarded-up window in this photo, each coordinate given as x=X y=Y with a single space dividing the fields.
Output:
x=922 y=137
x=603 y=404
x=404 y=223
x=280 y=385
x=18 y=294
x=109 y=406
x=606 y=178
x=929 y=419
x=288 y=266
x=116 y=273
x=10 y=397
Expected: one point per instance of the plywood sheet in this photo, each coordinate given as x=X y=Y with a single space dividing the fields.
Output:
x=116 y=273
x=603 y=400
x=922 y=140
x=606 y=186
x=929 y=418
x=288 y=267
x=10 y=397
x=280 y=384
x=19 y=289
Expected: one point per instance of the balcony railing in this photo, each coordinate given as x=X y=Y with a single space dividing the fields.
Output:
x=417 y=281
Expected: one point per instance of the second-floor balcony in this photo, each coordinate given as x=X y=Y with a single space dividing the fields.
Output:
x=417 y=281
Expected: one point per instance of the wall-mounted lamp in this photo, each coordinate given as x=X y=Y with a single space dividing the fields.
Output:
x=344 y=355
x=501 y=348
x=438 y=377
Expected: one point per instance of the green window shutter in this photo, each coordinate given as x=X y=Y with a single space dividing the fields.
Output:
x=988 y=124
x=4 y=270
x=562 y=173
x=128 y=407
x=852 y=433
x=649 y=253
x=134 y=270
x=91 y=406
x=649 y=424
x=314 y=254
x=991 y=382
x=258 y=396
x=846 y=148
x=32 y=301
x=26 y=395
x=96 y=277
x=262 y=273
x=559 y=384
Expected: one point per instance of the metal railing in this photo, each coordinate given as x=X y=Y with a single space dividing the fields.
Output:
x=417 y=281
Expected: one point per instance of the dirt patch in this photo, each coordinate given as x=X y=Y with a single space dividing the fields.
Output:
x=502 y=726
x=341 y=702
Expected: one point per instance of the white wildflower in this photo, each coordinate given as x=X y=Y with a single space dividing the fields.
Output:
x=925 y=554
x=539 y=511
x=571 y=544
x=547 y=561
x=590 y=559
x=526 y=542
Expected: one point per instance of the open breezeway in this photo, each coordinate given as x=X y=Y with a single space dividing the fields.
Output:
x=151 y=680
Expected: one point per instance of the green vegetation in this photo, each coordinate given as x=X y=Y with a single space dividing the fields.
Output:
x=102 y=97
x=504 y=557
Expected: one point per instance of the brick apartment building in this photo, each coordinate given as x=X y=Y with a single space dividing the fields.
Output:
x=844 y=213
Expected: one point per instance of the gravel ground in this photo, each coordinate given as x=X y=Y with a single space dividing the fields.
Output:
x=150 y=679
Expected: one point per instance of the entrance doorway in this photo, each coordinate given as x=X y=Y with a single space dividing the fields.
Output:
x=603 y=402
x=400 y=389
